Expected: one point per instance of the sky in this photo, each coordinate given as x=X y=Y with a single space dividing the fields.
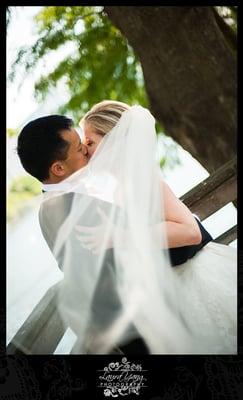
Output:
x=21 y=104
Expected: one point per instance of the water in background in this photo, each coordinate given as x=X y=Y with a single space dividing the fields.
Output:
x=31 y=268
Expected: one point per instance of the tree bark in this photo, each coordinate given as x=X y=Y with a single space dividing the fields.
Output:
x=189 y=67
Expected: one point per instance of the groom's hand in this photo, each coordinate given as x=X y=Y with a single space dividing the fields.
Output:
x=96 y=238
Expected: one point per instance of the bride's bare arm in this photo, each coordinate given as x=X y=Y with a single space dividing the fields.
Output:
x=179 y=223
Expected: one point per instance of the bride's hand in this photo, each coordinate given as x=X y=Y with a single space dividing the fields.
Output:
x=96 y=238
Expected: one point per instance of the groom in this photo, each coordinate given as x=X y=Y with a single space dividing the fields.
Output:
x=50 y=149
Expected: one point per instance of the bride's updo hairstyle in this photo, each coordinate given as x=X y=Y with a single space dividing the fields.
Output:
x=104 y=116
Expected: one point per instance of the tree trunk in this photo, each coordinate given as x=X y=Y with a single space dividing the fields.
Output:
x=189 y=67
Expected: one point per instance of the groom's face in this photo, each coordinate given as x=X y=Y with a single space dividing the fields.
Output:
x=77 y=154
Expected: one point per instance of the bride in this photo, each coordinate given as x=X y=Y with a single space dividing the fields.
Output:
x=205 y=285
x=123 y=231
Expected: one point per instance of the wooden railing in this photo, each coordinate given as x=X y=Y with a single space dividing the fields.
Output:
x=43 y=329
x=219 y=189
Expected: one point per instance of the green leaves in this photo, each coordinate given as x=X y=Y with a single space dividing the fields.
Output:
x=12 y=132
x=26 y=184
x=100 y=63
x=101 y=66
x=229 y=14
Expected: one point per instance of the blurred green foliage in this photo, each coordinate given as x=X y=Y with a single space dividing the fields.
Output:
x=12 y=132
x=229 y=14
x=21 y=191
x=102 y=65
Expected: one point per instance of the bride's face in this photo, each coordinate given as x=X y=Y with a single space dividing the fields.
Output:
x=91 y=138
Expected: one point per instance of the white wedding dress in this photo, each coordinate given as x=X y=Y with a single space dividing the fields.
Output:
x=207 y=295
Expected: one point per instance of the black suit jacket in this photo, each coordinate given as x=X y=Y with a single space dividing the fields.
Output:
x=179 y=255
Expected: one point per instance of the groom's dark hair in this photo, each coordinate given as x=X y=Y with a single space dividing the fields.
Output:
x=40 y=143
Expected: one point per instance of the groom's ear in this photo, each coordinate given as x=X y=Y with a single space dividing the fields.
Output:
x=57 y=169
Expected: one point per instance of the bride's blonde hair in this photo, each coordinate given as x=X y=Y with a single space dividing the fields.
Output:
x=104 y=115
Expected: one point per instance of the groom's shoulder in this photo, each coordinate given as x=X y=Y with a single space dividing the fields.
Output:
x=53 y=205
x=52 y=198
